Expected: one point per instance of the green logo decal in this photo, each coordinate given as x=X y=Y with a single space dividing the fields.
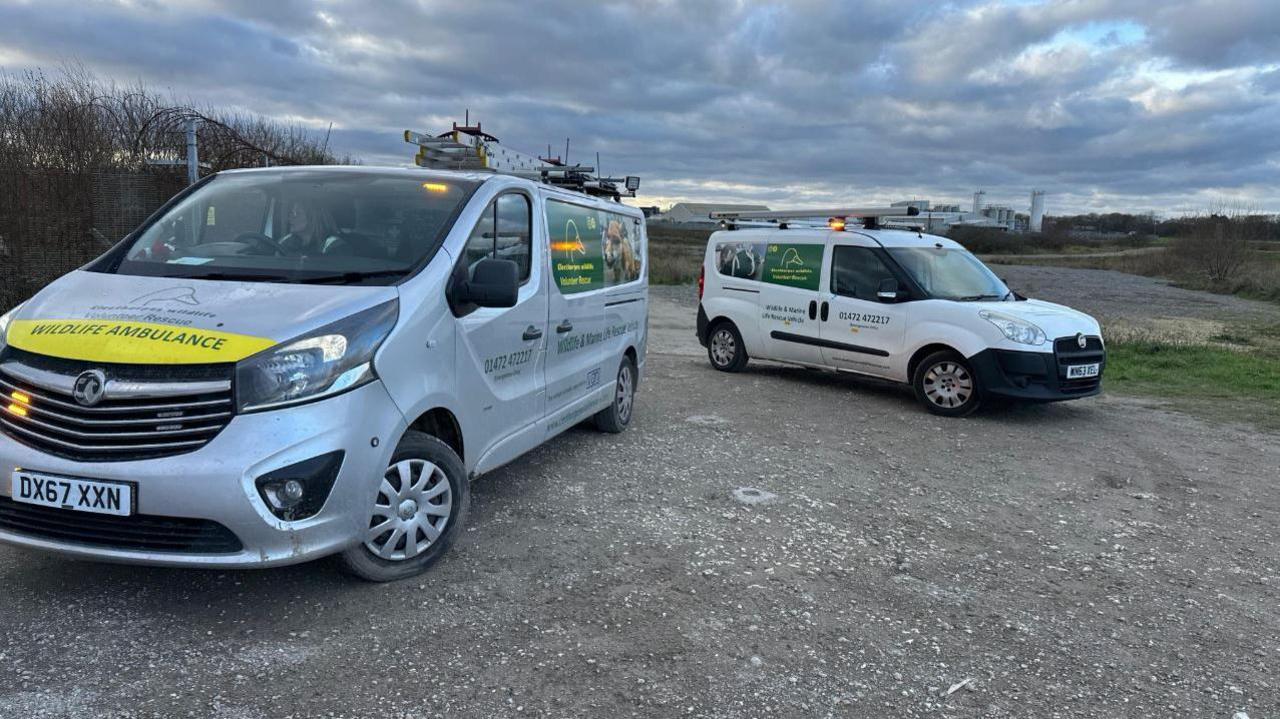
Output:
x=797 y=266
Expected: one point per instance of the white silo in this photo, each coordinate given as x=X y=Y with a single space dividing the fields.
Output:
x=977 y=201
x=1037 y=211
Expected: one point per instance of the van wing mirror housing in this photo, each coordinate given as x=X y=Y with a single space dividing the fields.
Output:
x=493 y=283
x=888 y=291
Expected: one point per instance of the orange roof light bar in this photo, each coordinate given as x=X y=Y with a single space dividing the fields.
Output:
x=836 y=224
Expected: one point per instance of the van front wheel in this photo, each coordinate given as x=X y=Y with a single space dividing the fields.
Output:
x=946 y=385
x=418 y=510
x=617 y=416
x=725 y=349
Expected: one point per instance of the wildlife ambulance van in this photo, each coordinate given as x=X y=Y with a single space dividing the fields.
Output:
x=287 y=363
x=890 y=303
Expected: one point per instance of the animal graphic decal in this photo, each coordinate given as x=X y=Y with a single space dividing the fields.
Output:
x=182 y=295
x=620 y=259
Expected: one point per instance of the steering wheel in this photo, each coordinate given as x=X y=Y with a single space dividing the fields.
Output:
x=259 y=240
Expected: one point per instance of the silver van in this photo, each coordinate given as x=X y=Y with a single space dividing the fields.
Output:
x=287 y=363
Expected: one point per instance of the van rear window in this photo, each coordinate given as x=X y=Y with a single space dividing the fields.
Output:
x=593 y=249
x=788 y=264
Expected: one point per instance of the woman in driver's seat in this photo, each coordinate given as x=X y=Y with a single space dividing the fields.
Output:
x=311 y=232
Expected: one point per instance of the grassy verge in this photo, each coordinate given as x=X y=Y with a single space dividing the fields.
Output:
x=675 y=254
x=1236 y=381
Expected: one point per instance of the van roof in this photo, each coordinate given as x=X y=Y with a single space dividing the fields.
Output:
x=886 y=237
x=426 y=173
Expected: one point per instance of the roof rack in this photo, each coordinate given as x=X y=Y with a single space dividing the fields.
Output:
x=835 y=217
x=471 y=148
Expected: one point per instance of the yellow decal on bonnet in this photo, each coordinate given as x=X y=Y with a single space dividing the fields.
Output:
x=131 y=342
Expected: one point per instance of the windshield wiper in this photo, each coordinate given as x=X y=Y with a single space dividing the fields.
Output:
x=975 y=298
x=234 y=277
x=349 y=277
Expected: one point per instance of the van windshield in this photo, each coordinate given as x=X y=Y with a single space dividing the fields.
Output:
x=307 y=226
x=950 y=274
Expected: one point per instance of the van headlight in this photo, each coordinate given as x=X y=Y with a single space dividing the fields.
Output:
x=330 y=360
x=1019 y=331
x=4 y=325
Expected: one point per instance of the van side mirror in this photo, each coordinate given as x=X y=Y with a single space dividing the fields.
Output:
x=888 y=291
x=493 y=283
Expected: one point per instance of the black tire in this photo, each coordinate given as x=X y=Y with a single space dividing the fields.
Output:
x=946 y=385
x=617 y=416
x=724 y=347
x=363 y=562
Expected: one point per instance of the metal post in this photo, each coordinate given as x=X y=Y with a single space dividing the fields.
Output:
x=193 y=154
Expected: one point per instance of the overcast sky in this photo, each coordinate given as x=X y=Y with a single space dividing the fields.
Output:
x=1129 y=105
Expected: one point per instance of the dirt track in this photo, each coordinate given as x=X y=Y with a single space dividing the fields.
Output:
x=1095 y=558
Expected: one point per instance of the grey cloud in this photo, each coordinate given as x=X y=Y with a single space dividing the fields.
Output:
x=784 y=102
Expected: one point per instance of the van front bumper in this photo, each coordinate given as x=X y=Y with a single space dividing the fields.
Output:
x=217 y=484
x=1034 y=376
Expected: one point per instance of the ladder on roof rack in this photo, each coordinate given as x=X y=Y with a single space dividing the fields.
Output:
x=470 y=148
x=835 y=218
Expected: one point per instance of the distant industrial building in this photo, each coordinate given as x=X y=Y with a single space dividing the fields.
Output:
x=699 y=213
x=938 y=218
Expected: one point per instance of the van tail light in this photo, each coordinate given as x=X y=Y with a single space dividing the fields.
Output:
x=702 y=280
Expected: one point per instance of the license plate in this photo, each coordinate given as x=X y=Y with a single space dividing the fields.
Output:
x=80 y=495
x=1082 y=371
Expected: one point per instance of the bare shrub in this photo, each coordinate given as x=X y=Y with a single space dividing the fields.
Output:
x=78 y=165
x=1219 y=244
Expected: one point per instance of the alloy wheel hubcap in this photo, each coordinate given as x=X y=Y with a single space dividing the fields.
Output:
x=626 y=393
x=948 y=384
x=723 y=347
x=411 y=510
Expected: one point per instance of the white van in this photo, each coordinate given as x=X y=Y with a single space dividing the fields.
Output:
x=288 y=363
x=890 y=303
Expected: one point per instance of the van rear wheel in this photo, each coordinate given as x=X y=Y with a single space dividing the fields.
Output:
x=418 y=510
x=617 y=416
x=725 y=348
x=946 y=385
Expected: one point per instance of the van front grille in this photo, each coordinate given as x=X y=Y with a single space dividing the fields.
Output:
x=139 y=532
x=1068 y=352
x=140 y=415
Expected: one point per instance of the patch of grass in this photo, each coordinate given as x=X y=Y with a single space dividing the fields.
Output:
x=675 y=254
x=1207 y=379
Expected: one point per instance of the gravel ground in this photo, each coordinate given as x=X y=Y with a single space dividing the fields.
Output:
x=774 y=543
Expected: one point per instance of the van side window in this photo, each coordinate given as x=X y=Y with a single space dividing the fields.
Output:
x=857 y=272
x=503 y=232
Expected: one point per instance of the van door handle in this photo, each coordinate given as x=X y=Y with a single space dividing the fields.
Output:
x=826 y=310
x=532 y=333
x=813 y=309
x=563 y=327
